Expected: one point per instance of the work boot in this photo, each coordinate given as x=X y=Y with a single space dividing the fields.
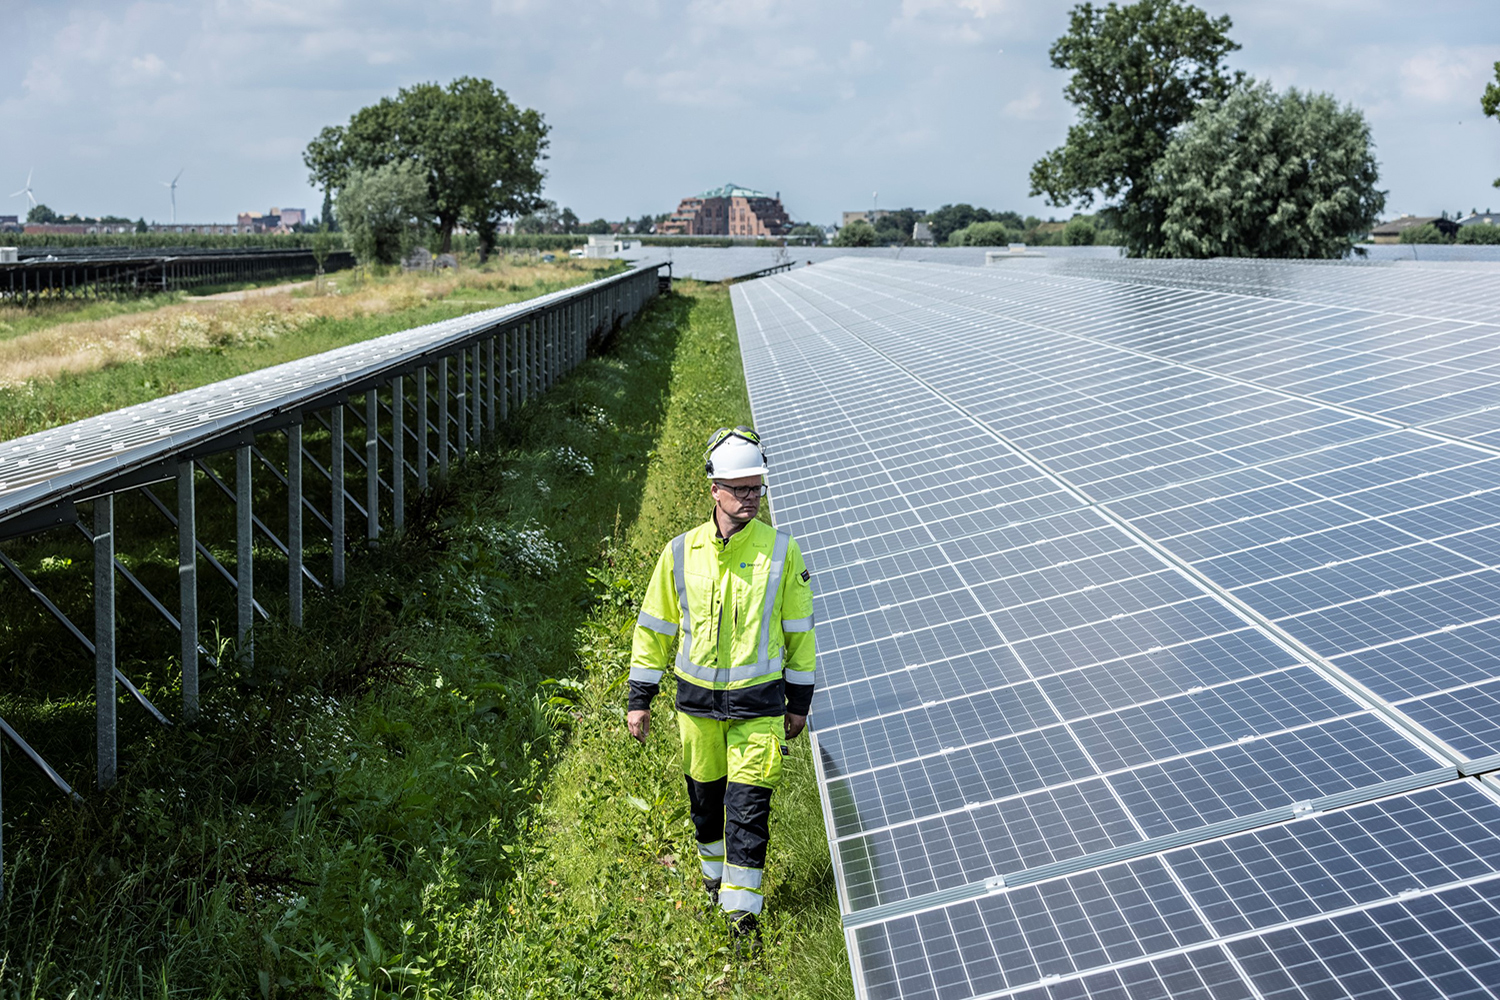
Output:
x=711 y=886
x=744 y=934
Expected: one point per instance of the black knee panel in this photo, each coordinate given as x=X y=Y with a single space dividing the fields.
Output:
x=706 y=803
x=747 y=824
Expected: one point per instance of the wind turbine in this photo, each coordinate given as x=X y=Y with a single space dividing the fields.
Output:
x=27 y=189
x=173 y=185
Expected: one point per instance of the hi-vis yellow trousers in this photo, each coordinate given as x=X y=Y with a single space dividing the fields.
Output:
x=732 y=766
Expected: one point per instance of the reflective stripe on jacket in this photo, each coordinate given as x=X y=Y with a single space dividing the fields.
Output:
x=740 y=613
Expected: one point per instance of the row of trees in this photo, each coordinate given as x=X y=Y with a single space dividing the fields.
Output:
x=1484 y=235
x=1196 y=161
x=964 y=225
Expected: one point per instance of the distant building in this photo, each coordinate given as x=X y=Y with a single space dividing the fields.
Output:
x=1390 y=232
x=871 y=216
x=277 y=220
x=10 y=224
x=921 y=235
x=730 y=210
x=1485 y=218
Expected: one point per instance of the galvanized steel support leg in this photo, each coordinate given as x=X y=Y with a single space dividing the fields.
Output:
x=372 y=466
x=443 y=388
x=422 y=429
x=294 y=502
x=104 y=640
x=476 y=395
x=336 y=479
x=489 y=383
x=245 y=559
x=187 y=585
x=461 y=402
x=398 y=452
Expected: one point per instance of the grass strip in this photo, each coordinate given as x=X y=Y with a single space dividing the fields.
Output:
x=428 y=791
x=609 y=899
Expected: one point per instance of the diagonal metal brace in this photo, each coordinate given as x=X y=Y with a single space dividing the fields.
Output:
x=202 y=549
x=281 y=546
x=144 y=592
x=307 y=504
x=88 y=643
x=40 y=762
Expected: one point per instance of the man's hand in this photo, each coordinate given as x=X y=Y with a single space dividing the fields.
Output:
x=794 y=725
x=638 y=721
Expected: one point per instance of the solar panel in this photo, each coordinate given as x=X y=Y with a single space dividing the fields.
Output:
x=1136 y=648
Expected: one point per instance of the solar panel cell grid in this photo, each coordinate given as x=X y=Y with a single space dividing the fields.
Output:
x=1013 y=677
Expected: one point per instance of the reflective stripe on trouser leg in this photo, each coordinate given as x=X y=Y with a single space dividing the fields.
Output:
x=742 y=878
x=747 y=829
x=711 y=859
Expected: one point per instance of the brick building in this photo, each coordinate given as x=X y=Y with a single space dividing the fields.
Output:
x=730 y=210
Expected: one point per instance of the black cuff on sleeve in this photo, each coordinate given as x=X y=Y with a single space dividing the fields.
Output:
x=641 y=694
x=799 y=698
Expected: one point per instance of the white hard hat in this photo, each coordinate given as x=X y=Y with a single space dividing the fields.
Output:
x=734 y=454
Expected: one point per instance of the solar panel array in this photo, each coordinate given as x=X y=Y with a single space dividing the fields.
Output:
x=1159 y=626
x=53 y=462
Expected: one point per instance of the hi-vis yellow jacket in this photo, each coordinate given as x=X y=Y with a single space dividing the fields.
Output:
x=743 y=609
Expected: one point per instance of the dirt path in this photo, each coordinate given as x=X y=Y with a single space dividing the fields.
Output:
x=251 y=293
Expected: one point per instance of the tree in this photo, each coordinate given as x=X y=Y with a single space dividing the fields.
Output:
x=895 y=227
x=1479 y=233
x=1080 y=232
x=329 y=220
x=386 y=211
x=987 y=234
x=951 y=218
x=140 y=225
x=568 y=221
x=1427 y=233
x=1139 y=71
x=1266 y=175
x=806 y=232
x=1489 y=103
x=542 y=219
x=479 y=154
x=858 y=233
x=42 y=215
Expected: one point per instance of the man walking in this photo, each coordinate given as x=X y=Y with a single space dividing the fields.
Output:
x=738 y=592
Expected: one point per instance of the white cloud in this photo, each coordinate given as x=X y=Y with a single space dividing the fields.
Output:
x=1027 y=107
x=1439 y=73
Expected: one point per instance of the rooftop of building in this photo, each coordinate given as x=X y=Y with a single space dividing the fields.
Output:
x=733 y=191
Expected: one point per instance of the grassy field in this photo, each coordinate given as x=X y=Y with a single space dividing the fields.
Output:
x=61 y=367
x=428 y=790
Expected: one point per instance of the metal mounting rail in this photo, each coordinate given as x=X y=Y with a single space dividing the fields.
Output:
x=431 y=394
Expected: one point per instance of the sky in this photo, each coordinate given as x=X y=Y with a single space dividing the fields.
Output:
x=837 y=106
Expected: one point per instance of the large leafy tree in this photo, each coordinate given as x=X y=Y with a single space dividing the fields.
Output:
x=1139 y=71
x=386 y=211
x=1489 y=102
x=1266 y=175
x=479 y=153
